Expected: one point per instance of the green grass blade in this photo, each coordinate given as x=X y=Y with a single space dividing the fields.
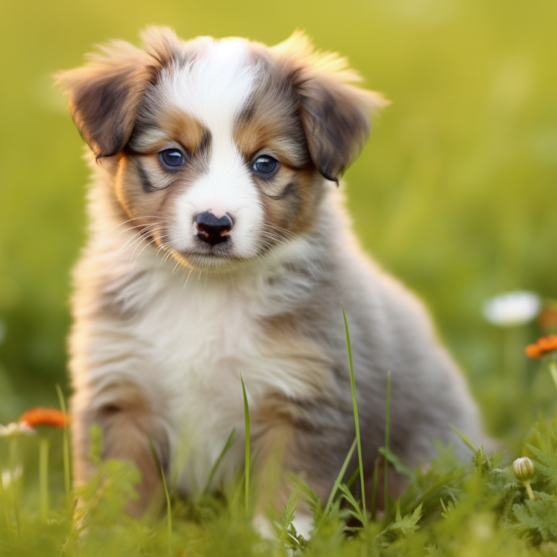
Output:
x=399 y=466
x=168 y=511
x=166 y=496
x=338 y=481
x=355 y=475
x=43 y=477
x=227 y=445
x=66 y=446
x=375 y=488
x=387 y=450
x=248 y=445
x=356 y=417
x=466 y=440
x=357 y=512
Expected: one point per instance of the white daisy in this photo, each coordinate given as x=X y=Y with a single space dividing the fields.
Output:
x=512 y=308
x=16 y=429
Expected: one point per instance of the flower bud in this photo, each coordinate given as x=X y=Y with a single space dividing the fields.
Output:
x=523 y=469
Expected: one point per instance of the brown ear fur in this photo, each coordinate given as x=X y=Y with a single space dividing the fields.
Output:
x=104 y=95
x=335 y=115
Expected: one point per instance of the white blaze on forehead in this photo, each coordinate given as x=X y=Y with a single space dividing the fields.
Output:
x=214 y=88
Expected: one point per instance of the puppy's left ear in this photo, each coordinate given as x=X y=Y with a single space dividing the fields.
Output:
x=336 y=121
x=105 y=94
x=335 y=115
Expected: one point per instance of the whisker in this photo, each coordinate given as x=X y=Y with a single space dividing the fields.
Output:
x=129 y=243
x=130 y=220
x=291 y=235
x=152 y=241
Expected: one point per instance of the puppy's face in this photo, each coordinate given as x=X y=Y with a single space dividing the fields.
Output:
x=219 y=149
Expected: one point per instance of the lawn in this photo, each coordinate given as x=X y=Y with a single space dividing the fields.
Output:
x=451 y=194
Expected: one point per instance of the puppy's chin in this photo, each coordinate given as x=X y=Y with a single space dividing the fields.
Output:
x=222 y=258
x=209 y=263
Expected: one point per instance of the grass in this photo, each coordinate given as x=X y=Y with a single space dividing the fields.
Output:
x=247 y=456
x=453 y=508
x=357 y=419
x=451 y=193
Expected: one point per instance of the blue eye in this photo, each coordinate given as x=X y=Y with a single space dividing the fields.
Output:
x=265 y=165
x=172 y=158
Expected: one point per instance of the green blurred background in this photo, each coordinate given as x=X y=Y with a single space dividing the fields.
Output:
x=454 y=192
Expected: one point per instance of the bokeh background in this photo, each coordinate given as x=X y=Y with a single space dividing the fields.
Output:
x=454 y=193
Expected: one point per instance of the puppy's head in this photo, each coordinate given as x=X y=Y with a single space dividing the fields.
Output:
x=219 y=148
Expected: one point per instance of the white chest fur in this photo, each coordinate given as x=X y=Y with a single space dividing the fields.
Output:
x=198 y=335
x=201 y=336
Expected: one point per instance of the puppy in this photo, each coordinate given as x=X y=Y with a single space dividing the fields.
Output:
x=219 y=249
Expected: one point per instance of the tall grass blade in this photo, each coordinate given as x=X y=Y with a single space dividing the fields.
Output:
x=553 y=371
x=168 y=511
x=375 y=488
x=338 y=481
x=248 y=445
x=166 y=496
x=4 y=504
x=387 y=450
x=466 y=440
x=355 y=475
x=356 y=417
x=43 y=477
x=66 y=444
x=398 y=465
x=14 y=492
x=227 y=445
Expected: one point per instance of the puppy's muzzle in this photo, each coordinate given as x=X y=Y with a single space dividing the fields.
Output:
x=211 y=229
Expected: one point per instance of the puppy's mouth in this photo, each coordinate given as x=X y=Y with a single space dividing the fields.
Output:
x=215 y=262
x=204 y=257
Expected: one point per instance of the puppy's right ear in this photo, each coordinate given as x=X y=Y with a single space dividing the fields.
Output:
x=104 y=95
x=335 y=115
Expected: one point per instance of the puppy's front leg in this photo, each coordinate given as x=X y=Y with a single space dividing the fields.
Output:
x=130 y=430
x=283 y=443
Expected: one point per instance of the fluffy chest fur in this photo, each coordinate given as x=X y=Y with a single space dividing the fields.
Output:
x=193 y=337
x=202 y=337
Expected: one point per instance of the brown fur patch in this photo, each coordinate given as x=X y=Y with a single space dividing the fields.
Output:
x=129 y=428
x=145 y=190
x=158 y=126
x=270 y=124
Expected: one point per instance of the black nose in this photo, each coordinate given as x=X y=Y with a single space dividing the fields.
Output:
x=211 y=229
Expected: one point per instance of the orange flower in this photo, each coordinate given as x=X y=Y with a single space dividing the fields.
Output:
x=45 y=416
x=542 y=346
